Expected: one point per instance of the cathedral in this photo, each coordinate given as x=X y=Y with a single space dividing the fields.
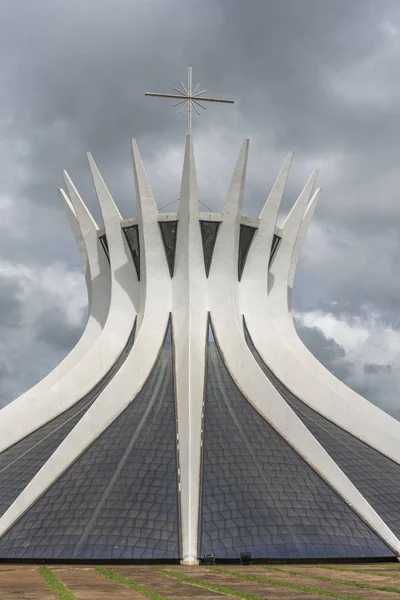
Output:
x=190 y=419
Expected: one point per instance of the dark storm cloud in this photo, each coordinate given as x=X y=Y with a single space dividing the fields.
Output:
x=330 y=353
x=319 y=78
x=42 y=312
x=376 y=369
x=77 y=74
x=10 y=303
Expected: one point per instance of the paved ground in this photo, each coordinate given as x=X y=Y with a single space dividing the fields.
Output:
x=86 y=583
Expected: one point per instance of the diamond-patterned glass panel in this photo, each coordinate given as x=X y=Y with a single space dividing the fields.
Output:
x=168 y=233
x=374 y=475
x=276 y=240
x=209 y=231
x=245 y=239
x=259 y=495
x=20 y=462
x=104 y=243
x=132 y=236
x=119 y=500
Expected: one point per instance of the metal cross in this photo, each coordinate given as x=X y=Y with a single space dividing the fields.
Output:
x=190 y=98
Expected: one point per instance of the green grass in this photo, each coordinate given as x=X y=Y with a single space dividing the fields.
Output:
x=357 y=584
x=290 y=586
x=222 y=589
x=131 y=584
x=56 y=585
x=393 y=573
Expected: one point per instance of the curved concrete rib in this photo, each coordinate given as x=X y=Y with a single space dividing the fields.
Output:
x=228 y=236
x=97 y=275
x=133 y=374
x=256 y=387
x=100 y=288
x=124 y=283
x=76 y=230
x=31 y=412
x=267 y=222
x=278 y=275
x=285 y=354
x=339 y=403
x=147 y=212
x=189 y=319
x=298 y=245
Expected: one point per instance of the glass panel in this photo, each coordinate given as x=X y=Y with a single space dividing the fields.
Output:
x=209 y=231
x=259 y=495
x=132 y=235
x=374 y=475
x=22 y=461
x=168 y=232
x=245 y=239
x=104 y=243
x=276 y=240
x=119 y=500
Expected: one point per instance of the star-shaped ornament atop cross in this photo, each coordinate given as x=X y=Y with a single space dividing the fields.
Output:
x=190 y=98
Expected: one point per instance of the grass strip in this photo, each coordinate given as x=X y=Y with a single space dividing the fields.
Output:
x=131 y=584
x=357 y=584
x=289 y=586
x=213 y=587
x=56 y=585
x=393 y=572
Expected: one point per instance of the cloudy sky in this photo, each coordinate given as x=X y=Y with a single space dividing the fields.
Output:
x=317 y=77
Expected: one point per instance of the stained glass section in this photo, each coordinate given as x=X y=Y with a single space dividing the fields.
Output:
x=259 y=495
x=168 y=233
x=104 y=243
x=374 y=475
x=245 y=239
x=132 y=236
x=119 y=500
x=276 y=240
x=209 y=231
x=20 y=463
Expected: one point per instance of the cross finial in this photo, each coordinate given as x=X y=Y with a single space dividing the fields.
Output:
x=190 y=98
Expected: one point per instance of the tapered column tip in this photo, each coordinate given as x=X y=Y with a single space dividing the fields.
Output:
x=65 y=198
x=135 y=147
x=65 y=175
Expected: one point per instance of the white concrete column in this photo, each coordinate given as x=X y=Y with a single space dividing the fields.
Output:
x=189 y=317
x=259 y=252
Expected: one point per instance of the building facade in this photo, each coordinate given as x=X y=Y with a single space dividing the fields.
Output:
x=190 y=418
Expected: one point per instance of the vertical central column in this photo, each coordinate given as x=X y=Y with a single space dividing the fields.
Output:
x=189 y=315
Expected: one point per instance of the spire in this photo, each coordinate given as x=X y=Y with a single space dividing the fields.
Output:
x=259 y=252
x=283 y=263
x=305 y=223
x=74 y=224
x=270 y=209
x=293 y=219
x=108 y=207
x=234 y=199
x=145 y=199
x=82 y=212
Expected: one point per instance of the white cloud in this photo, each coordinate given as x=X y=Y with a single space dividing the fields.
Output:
x=43 y=313
x=371 y=354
